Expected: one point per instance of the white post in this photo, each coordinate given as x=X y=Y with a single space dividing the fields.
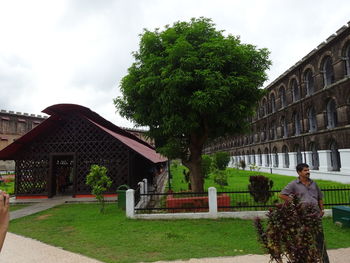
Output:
x=130 y=203
x=281 y=160
x=345 y=160
x=212 y=201
x=145 y=185
x=324 y=157
x=308 y=160
x=142 y=191
x=293 y=160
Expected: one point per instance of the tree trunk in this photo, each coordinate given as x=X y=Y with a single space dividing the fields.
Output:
x=194 y=162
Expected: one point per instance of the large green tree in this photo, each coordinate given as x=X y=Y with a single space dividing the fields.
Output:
x=189 y=84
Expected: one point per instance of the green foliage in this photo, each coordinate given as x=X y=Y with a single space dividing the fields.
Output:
x=206 y=165
x=220 y=178
x=190 y=83
x=221 y=160
x=99 y=182
x=291 y=232
x=260 y=188
x=242 y=164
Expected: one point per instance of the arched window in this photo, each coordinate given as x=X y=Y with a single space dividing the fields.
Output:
x=249 y=160
x=332 y=118
x=347 y=60
x=296 y=123
x=315 y=163
x=273 y=130
x=298 y=152
x=335 y=156
x=295 y=90
x=275 y=157
x=263 y=133
x=264 y=107
x=259 y=157
x=286 y=156
x=273 y=103
x=311 y=116
x=309 y=82
x=284 y=127
x=283 y=98
x=328 y=73
x=267 y=157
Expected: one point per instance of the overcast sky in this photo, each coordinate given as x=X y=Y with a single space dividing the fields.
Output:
x=77 y=51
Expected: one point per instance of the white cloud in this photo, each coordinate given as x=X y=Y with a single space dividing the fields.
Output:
x=77 y=51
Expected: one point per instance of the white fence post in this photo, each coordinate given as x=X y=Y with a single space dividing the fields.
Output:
x=213 y=203
x=130 y=203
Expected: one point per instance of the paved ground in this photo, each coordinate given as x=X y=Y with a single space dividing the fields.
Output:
x=18 y=249
x=341 y=255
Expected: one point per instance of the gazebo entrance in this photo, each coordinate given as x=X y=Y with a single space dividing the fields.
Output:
x=62 y=172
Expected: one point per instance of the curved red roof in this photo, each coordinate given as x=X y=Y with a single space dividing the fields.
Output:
x=60 y=110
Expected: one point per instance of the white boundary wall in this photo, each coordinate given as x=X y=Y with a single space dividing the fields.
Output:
x=212 y=214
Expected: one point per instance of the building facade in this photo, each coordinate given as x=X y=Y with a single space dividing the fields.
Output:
x=304 y=117
x=12 y=126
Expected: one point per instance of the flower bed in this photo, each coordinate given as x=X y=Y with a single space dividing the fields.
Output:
x=194 y=204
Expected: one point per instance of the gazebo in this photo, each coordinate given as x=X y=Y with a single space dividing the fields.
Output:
x=55 y=157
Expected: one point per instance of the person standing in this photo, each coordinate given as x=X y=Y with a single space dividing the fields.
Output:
x=4 y=216
x=309 y=193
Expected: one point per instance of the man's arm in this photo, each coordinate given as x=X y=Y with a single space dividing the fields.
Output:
x=285 y=197
x=4 y=216
x=320 y=204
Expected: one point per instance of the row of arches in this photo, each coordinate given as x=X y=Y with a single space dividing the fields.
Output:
x=306 y=85
x=281 y=158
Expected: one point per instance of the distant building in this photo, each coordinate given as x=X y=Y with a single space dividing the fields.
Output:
x=304 y=117
x=13 y=125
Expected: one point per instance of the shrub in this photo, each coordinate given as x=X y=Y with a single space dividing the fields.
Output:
x=206 y=165
x=242 y=164
x=220 y=178
x=291 y=233
x=260 y=188
x=98 y=180
x=221 y=160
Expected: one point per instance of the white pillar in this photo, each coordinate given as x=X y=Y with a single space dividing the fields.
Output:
x=264 y=160
x=130 y=203
x=344 y=160
x=212 y=201
x=308 y=160
x=145 y=185
x=325 y=160
x=257 y=159
x=280 y=160
x=292 y=160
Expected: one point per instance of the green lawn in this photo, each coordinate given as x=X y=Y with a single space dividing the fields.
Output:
x=239 y=180
x=111 y=237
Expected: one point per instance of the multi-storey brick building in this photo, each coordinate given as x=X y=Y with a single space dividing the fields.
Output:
x=304 y=117
x=12 y=126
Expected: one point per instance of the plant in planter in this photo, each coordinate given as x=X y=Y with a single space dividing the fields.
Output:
x=291 y=232
x=260 y=188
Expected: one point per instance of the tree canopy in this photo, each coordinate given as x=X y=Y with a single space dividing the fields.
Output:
x=189 y=84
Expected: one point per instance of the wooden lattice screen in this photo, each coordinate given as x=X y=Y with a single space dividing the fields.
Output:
x=89 y=144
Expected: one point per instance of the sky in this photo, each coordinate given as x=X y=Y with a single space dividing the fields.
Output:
x=77 y=51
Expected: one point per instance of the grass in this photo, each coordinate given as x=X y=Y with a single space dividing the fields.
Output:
x=111 y=237
x=239 y=180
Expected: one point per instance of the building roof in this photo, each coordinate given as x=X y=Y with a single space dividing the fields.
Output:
x=58 y=111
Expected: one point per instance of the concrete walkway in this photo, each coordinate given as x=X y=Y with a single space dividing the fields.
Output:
x=38 y=205
x=18 y=249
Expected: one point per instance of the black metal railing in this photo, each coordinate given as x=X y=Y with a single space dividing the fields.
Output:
x=236 y=200
x=175 y=203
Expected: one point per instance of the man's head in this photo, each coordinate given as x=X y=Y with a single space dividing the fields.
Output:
x=303 y=170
